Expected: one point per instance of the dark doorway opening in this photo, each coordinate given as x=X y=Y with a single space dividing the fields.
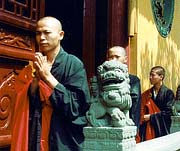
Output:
x=70 y=13
x=101 y=31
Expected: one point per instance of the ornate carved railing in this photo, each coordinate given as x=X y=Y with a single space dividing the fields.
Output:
x=22 y=13
x=16 y=43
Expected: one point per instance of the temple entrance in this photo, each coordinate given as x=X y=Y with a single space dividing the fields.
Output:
x=70 y=13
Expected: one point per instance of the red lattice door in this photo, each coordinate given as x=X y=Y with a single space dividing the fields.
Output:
x=17 y=45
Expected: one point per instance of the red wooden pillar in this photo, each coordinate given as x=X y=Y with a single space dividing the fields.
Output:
x=117 y=23
x=89 y=21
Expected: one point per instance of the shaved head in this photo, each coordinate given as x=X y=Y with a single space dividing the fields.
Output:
x=49 y=34
x=118 y=49
x=51 y=20
x=117 y=53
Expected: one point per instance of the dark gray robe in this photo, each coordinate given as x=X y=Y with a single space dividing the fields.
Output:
x=162 y=121
x=70 y=101
x=135 y=92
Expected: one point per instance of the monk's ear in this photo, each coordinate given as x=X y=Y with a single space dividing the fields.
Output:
x=125 y=59
x=162 y=77
x=61 y=35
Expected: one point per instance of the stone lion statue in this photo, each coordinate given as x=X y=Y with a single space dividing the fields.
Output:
x=111 y=98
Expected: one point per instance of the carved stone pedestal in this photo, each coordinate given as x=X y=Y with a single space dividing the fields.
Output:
x=109 y=138
x=175 y=125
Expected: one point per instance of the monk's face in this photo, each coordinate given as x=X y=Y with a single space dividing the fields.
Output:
x=48 y=35
x=116 y=54
x=155 y=78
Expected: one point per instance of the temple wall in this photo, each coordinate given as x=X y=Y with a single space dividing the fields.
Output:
x=148 y=48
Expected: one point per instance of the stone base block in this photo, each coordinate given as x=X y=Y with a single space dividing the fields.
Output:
x=109 y=138
x=175 y=125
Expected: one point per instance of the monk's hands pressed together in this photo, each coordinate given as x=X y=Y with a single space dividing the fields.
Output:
x=42 y=67
x=43 y=70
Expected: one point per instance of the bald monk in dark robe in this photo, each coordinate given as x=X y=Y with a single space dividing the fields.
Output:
x=51 y=106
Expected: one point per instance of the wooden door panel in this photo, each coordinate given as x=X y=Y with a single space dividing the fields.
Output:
x=9 y=70
x=7 y=97
x=17 y=46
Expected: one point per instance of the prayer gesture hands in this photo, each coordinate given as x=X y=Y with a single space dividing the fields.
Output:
x=42 y=66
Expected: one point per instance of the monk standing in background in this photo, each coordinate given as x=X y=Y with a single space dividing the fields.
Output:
x=119 y=54
x=156 y=107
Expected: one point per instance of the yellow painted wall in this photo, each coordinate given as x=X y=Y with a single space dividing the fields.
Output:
x=148 y=48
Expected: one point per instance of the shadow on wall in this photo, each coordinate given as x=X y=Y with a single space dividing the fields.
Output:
x=156 y=50
x=175 y=25
x=165 y=56
x=169 y=58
